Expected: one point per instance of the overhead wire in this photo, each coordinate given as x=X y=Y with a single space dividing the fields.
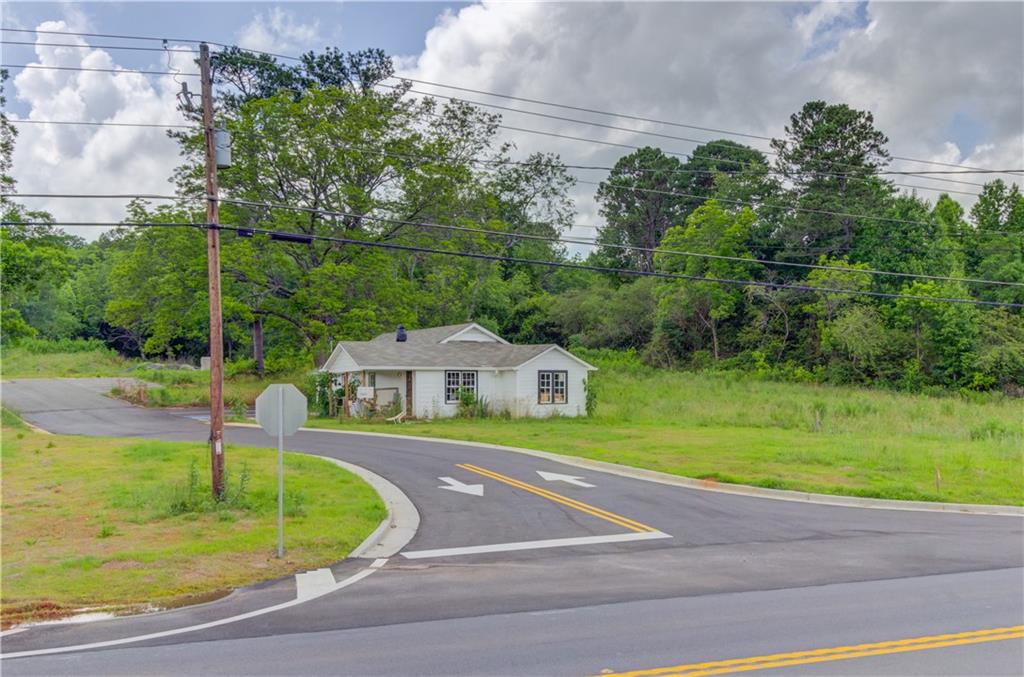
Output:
x=493 y=94
x=654 y=250
x=336 y=213
x=304 y=238
x=700 y=142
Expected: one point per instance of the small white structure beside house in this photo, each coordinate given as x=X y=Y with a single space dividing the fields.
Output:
x=426 y=369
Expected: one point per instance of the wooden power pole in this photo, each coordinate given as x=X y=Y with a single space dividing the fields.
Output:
x=213 y=271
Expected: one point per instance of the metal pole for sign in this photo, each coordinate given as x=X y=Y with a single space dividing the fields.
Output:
x=280 y=472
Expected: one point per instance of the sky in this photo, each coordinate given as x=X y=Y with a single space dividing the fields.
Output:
x=945 y=81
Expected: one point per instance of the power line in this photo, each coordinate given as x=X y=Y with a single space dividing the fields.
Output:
x=680 y=154
x=583 y=241
x=632 y=130
x=304 y=238
x=99 y=35
x=648 y=190
x=101 y=124
x=656 y=250
x=131 y=48
x=308 y=238
x=494 y=162
x=94 y=70
x=684 y=138
x=496 y=94
x=653 y=120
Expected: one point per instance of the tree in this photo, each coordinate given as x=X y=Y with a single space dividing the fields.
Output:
x=995 y=249
x=715 y=162
x=693 y=308
x=831 y=154
x=634 y=215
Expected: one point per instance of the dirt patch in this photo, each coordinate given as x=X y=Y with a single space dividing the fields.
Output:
x=44 y=610
x=121 y=564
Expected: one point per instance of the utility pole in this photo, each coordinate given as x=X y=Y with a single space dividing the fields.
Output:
x=213 y=271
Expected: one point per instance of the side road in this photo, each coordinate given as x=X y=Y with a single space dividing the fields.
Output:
x=497 y=537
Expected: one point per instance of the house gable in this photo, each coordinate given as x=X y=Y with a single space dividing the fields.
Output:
x=563 y=351
x=475 y=333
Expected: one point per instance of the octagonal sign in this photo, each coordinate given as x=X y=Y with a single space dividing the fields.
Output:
x=281 y=409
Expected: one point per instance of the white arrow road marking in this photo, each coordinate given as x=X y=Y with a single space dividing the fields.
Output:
x=453 y=484
x=558 y=477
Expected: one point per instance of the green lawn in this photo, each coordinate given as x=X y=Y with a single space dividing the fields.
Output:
x=120 y=524
x=734 y=428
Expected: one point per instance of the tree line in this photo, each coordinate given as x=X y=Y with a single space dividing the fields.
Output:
x=366 y=163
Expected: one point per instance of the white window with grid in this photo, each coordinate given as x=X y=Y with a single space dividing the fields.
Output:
x=457 y=381
x=552 y=387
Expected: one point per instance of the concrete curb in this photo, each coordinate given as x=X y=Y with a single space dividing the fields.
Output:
x=397 y=528
x=705 y=485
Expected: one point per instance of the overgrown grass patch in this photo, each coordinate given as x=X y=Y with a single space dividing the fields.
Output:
x=26 y=362
x=731 y=427
x=93 y=522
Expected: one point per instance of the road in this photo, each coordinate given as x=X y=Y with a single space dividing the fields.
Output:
x=634 y=575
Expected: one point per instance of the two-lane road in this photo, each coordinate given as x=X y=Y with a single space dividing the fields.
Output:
x=618 y=574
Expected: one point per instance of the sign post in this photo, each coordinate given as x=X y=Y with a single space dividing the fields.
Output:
x=280 y=410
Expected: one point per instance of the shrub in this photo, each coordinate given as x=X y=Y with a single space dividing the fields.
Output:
x=590 y=397
x=51 y=346
x=472 y=406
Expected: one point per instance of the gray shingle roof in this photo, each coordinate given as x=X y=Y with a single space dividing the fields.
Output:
x=379 y=354
x=430 y=335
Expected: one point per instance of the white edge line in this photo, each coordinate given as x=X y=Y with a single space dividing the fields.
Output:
x=533 y=545
x=202 y=626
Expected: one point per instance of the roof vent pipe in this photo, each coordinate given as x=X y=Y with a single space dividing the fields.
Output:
x=400 y=335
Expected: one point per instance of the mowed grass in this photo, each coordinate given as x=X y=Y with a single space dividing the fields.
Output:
x=92 y=523
x=21 y=363
x=731 y=427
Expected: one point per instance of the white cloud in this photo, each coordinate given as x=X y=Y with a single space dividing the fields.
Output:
x=277 y=30
x=744 y=67
x=93 y=159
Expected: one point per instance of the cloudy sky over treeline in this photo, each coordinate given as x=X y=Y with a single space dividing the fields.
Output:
x=944 y=80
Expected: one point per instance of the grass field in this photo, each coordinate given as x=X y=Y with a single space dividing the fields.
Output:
x=733 y=428
x=18 y=362
x=117 y=524
x=170 y=387
x=184 y=388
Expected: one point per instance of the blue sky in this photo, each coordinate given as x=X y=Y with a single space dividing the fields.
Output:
x=398 y=28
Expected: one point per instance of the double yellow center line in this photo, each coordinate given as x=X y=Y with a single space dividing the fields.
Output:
x=621 y=521
x=834 y=654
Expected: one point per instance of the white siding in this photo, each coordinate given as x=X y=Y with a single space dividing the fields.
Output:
x=526 y=388
x=497 y=387
x=343 y=362
x=391 y=379
x=428 y=395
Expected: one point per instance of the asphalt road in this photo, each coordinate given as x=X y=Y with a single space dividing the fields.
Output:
x=738 y=577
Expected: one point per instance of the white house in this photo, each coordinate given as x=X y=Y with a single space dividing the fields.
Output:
x=427 y=368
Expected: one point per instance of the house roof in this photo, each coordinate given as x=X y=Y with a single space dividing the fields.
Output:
x=423 y=336
x=419 y=354
x=428 y=349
